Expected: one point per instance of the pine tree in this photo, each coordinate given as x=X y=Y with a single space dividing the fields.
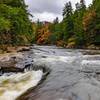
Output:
x=82 y=2
x=67 y=21
x=56 y=21
x=67 y=11
x=78 y=25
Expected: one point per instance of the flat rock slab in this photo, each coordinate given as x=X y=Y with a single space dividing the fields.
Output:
x=86 y=89
x=14 y=62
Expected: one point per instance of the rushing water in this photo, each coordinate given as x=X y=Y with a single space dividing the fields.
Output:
x=73 y=76
x=16 y=84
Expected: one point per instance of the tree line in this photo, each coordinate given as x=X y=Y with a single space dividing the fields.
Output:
x=79 y=28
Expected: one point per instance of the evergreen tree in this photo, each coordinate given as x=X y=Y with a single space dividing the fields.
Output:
x=68 y=21
x=78 y=25
x=82 y=2
x=56 y=30
x=56 y=21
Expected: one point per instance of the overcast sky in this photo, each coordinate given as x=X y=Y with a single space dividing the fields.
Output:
x=48 y=10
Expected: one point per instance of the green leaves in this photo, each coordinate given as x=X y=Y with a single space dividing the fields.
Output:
x=5 y=25
x=14 y=20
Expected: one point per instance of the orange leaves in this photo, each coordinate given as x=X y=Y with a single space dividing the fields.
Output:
x=89 y=16
x=89 y=24
x=44 y=34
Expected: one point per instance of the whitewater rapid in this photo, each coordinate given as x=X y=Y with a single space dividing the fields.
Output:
x=15 y=85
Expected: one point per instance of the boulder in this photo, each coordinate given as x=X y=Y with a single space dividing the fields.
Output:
x=23 y=48
x=14 y=62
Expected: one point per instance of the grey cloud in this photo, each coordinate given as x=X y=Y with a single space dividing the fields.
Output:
x=51 y=6
x=40 y=6
x=48 y=9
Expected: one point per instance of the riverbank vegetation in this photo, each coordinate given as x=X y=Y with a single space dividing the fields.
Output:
x=80 y=27
x=15 y=26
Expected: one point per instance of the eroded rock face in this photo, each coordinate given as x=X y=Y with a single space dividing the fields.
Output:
x=25 y=48
x=15 y=62
x=18 y=49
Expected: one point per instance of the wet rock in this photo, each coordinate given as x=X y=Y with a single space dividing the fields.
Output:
x=8 y=64
x=24 y=64
x=11 y=49
x=91 y=52
x=44 y=56
x=86 y=89
x=91 y=66
x=21 y=49
x=16 y=62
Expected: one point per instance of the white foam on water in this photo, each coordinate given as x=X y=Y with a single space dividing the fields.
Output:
x=15 y=85
x=65 y=59
x=91 y=56
x=91 y=62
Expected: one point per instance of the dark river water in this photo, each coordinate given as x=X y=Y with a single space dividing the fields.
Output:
x=73 y=76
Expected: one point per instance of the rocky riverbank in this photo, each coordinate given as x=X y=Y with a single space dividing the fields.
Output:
x=16 y=60
x=18 y=74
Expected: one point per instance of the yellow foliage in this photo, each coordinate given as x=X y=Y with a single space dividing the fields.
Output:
x=71 y=43
x=44 y=34
x=60 y=43
x=89 y=16
x=72 y=39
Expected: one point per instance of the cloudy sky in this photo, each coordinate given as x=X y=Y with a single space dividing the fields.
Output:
x=48 y=10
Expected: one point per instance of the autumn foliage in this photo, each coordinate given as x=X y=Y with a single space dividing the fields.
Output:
x=44 y=34
x=78 y=29
x=88 y=18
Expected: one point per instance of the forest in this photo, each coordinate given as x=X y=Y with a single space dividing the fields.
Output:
x=80 y=27
x=15 y=26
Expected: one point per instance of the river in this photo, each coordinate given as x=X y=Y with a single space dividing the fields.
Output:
x=75 y=74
